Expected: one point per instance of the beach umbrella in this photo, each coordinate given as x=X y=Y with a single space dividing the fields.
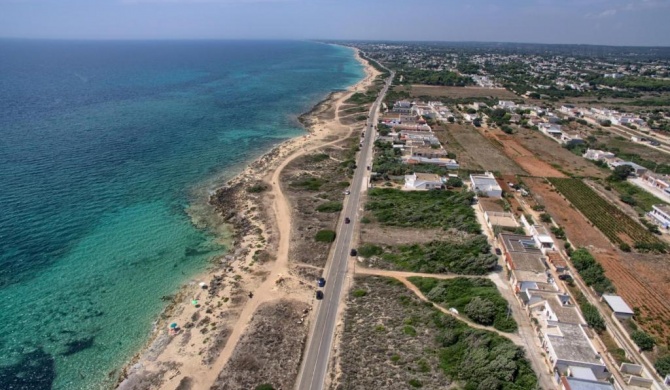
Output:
x=203 y=284
x=173 y=325
x=195 y=301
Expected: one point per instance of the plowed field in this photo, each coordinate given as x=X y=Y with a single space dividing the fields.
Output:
x=642 y=280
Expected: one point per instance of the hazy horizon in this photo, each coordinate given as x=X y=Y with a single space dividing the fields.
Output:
x=592 y=22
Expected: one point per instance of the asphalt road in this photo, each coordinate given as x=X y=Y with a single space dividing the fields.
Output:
x=319 y=344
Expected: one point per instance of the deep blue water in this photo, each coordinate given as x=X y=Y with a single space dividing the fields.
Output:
x=103 y=147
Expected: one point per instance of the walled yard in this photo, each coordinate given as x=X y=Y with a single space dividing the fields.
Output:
x=643 y=280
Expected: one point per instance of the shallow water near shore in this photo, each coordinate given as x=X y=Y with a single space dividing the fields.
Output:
x=107 y=153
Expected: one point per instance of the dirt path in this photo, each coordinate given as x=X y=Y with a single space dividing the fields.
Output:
x=402 y=277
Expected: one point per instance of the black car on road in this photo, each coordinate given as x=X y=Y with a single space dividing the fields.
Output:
x=353 y=252
x=319 y=294
x=321 y=282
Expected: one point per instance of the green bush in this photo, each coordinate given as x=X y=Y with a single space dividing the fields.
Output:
x=264 y=386
x=369 y=250
x=360 y=293
x=544 y=217
x=415 y=383
x=591 y=271
x=329 y=207
x=643 y=340
x=662 y=365
x=325 y=236
x=309 y=184
x=256 y=188
x=591 y=313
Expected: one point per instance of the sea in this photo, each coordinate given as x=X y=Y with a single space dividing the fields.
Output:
x=106 y=150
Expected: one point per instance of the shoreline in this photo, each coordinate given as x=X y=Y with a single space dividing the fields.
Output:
x=252 y=228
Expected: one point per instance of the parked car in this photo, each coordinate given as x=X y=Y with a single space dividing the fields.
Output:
x=353 y=252
x=368 y=167
x=498 y=251
x=319 y=294
x=347 y=220
x=347 y=192
x=565 y=277
x=321 y=282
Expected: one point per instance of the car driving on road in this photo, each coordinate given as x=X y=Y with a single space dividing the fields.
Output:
x=347 y=220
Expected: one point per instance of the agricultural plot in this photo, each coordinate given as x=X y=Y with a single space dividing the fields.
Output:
x=617 y=226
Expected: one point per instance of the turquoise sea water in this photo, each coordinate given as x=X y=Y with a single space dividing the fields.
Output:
x=103 y=147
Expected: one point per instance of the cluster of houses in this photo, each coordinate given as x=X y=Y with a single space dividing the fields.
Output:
x=410 y=133
x=561 y=329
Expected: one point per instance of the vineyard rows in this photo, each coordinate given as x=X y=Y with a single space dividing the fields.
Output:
x=608 y=218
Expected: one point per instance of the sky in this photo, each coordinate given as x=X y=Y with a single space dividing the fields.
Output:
x=608 y=22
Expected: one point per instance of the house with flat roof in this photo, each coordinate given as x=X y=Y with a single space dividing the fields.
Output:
x=660 y=214
x=525 y=263
x=620 y=308
x=660 y=182
x=567 y=346
x=429 y=152
x=402 y=107
x=638 y=170
x=552 y=130
x=572 y=383
x=595 y=155
x=486 y=184
x=423 y=181
x=551 y=307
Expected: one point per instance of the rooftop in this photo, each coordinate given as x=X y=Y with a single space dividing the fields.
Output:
x=525 y=261
x=519 y=243
x=663 y=208
x=567 y=313
x=581 y=384
x=573 y=345
x=617 y=304
x=427 y=177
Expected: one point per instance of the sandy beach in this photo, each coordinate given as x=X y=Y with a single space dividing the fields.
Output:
x=213 y=312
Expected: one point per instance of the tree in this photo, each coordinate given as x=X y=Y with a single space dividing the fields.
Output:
x=544 y=217
x=621 y=173
x=454 y=182
x=643 y=340
x=662 y=365
x=481 y=311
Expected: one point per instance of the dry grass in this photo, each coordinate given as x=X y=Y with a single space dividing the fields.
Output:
x=458 y=92
x=269 y=351
x=482 y=150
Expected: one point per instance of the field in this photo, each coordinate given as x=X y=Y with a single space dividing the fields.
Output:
x=484 y=152
x=465 y=160
x=642 y=279
x=458 y=92
x=392 y=340
x=556 y=155
x=419 y=209
x=616 y=225
x=471 y=255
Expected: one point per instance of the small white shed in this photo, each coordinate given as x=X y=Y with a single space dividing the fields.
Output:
x=621 y=310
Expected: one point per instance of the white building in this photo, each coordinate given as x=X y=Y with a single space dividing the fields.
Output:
x=660 y=213
x=619 y=307
x=486 y=183
x=595 y=154
x=423 y=181
x=568 y=346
